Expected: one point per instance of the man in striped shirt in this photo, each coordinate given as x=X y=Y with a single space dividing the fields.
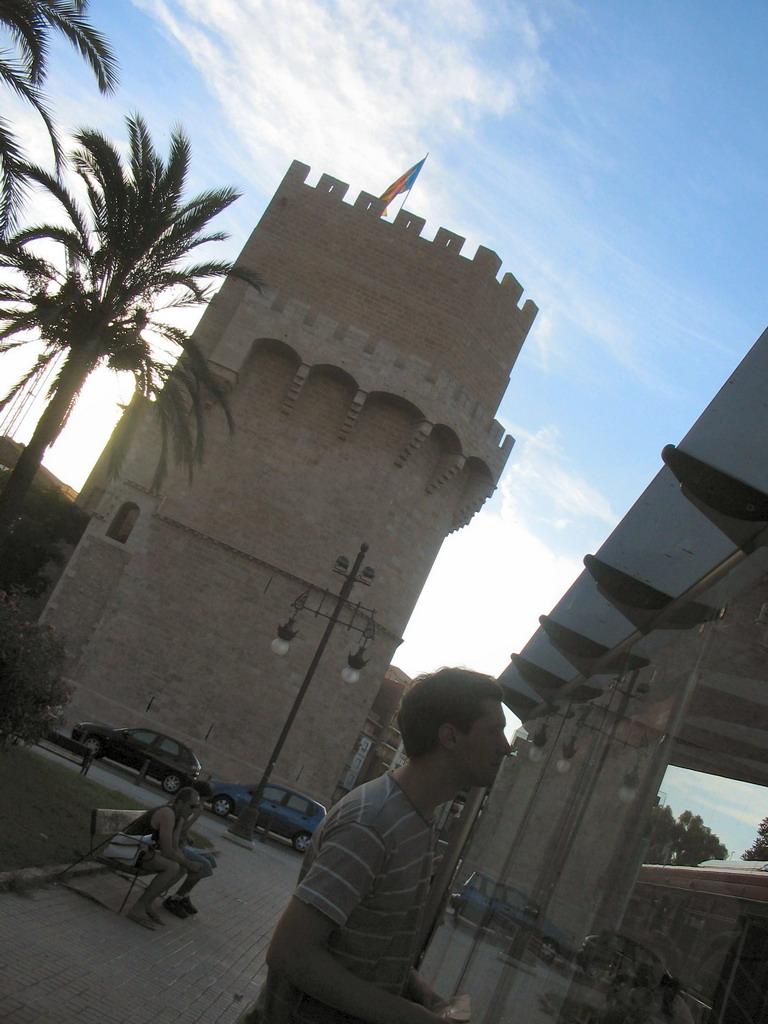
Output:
x=344 y=949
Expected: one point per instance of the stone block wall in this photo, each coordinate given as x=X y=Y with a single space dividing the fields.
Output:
x=363 y=384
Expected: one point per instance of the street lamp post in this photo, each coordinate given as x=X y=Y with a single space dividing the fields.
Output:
x=242 y=830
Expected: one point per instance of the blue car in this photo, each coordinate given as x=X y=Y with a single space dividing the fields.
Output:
x=289 y=814
x=503 y=908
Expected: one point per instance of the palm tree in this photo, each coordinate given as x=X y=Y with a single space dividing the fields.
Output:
x=23 y=69
x=104 y=302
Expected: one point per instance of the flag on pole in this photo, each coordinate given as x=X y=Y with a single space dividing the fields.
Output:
x=403 y=184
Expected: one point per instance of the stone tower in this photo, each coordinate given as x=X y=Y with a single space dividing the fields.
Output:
x=363 y=382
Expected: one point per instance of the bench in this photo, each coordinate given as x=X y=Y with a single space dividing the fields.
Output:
x=106 y=823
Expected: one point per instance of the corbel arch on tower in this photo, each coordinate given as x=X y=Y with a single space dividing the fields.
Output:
x=478 y=484
x=450 y=460
x=275 y=372
x=391 y=424
x=275 y=346
x=330 y=398
x=413 y=428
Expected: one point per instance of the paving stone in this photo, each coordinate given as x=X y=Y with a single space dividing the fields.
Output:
x=70 y=960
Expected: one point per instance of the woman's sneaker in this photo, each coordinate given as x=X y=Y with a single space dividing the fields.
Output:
x=186 y=902
x=175 y=905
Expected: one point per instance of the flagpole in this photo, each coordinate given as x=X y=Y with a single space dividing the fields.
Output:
x=402 y=201
x=420 y=165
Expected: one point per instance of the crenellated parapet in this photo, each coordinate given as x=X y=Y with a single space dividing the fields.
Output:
x=343 y=270
x=405 y=225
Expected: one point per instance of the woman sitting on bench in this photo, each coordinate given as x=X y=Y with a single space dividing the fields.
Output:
x=167 y=859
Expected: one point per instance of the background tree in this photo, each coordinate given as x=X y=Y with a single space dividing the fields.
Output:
x=32 y=692
x=685 y=840
x=105 y=302
x=41 y=539
x=26 y=25
x=759 y=849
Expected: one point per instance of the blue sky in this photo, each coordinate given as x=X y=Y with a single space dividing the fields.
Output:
x=613 y=154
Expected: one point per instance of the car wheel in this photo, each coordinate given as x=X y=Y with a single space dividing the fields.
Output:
x=301 y=841
x=94 y=746
x=172 y=783
x=548 y=950
x=223 y=806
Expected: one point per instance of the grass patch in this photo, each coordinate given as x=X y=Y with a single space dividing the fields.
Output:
x=45 y=811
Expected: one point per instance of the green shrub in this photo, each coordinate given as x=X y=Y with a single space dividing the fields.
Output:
x=32 y=691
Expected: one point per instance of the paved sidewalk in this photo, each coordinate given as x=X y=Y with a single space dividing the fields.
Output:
x=65 y=959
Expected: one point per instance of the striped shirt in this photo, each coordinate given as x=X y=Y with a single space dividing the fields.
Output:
x=368 y=870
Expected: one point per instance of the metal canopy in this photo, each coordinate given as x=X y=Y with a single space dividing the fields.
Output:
x=694 y=539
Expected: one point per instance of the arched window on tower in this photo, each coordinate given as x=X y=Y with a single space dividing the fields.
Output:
x=124 y=521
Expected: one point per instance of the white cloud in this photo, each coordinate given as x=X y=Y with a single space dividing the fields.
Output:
x=732 y=809
x=738 y=800
x=483 y=597
x=303 y=79
x=493 y=579
x=541 y=483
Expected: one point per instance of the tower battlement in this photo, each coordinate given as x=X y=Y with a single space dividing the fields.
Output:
x=344 y=260
x=410 y=226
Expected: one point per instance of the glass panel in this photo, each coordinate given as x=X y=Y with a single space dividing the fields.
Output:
x=586 y=892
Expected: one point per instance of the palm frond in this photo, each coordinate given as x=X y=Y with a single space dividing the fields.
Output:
x=12 y=184
x=58 y=191
x=176 y=171
x=33 y=266
x=98 y=164
x=14 y=77
x=29 y=377
x=10 y=293
x=23 y=67
x=123 y=434
x=70 y=20
x=71 y=240
x=20 y=322
x=128 y=258
x=22 y=24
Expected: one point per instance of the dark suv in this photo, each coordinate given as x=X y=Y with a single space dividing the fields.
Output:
x=170 y=761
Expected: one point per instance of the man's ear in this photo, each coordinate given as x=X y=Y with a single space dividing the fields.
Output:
x=447 y=734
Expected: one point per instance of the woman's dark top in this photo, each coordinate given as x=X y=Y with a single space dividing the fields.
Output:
x=142 y=826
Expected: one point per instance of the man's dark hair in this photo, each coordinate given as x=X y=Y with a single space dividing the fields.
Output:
x=449 y=695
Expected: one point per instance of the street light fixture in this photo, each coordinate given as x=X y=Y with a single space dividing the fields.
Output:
x=285 y=633
x=538 y=742
x=242 y=830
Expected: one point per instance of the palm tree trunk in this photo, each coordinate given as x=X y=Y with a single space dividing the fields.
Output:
x=74 y=374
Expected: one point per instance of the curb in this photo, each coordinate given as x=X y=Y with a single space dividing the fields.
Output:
x=34 y=878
